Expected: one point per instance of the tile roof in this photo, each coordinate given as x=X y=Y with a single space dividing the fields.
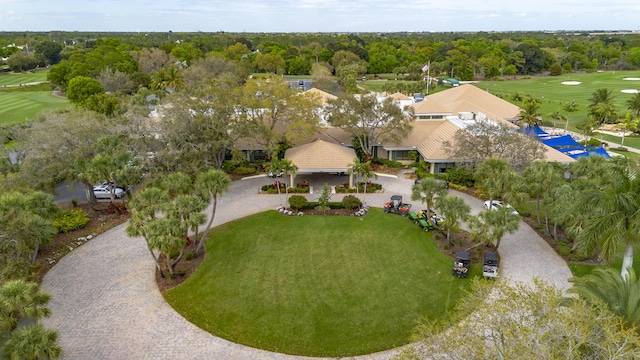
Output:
x=321 y=155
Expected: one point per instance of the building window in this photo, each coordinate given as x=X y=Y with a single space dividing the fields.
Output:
x=402 y=155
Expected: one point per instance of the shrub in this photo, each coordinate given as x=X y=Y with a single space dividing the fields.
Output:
x=459 y=175
x=351 y=202
x=386 y=162
x=244 y=170
x=188 y=256
x=297 y=202
x=69 y=220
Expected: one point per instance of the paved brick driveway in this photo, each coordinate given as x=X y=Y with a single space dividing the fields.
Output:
x=105 y=303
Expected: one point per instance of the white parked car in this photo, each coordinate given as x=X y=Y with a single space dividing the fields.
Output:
x=497 y=204
x=102 y=192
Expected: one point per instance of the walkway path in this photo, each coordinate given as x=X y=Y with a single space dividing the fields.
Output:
x=105 y=303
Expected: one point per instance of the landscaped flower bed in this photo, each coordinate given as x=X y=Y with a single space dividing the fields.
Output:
x=371 y=187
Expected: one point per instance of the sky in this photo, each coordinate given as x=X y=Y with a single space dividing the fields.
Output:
x=318 y=15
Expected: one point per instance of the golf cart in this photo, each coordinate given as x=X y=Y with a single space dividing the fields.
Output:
x=396 y=206
x=462 y=264
x=490 y=267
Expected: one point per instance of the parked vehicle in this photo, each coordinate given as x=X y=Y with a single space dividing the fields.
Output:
x=491 y=263
x=497 y=204
x=102 y=192
x=462 y=264
x=396 y=206
x=277 y=173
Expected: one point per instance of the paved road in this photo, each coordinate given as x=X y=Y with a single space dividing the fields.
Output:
x=105 y=303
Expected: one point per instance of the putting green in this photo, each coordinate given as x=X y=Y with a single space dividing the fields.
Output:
x=319 y=285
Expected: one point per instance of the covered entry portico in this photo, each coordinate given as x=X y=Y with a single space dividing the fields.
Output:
x=321 y=156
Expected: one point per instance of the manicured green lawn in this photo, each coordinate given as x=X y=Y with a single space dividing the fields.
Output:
x=17 y=79
x=319 y=285
x=21 y=106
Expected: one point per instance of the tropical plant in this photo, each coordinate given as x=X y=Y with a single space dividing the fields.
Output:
x=601 y=108
x=490 y=226
x=454 y=210
x=427 y=191
x=633 y=104
x=615 y=219
x=608 y=286
x=32 y=342
x=540 y=178
x=21 y=299
x=213 y=183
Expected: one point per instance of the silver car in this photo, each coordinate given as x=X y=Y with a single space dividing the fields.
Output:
x=102 y=192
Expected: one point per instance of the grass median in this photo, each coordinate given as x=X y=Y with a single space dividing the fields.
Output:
x=318 y=285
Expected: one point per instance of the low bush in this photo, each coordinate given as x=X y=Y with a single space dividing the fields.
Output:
x=351 y=202
x=69 y=220
x=458 y=175
x=563 y=247
x=297 y=202
x=244 y=170
x=387 y=162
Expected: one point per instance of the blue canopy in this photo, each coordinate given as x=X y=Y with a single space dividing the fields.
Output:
x=564 y=140
x=597 y=151
x=534 y=130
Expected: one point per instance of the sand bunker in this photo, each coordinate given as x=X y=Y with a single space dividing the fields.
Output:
x=571 y=83
x=632 y=79
x=630 y=91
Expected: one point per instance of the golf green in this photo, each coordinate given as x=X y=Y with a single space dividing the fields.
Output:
x=319 y=285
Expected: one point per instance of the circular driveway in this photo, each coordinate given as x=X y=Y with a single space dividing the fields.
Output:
x=105 y=303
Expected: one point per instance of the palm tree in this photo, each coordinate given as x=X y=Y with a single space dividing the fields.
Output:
x=166 y=235
x=615 y=219
x=557 y=115
x=454 y=210
x=144 y=208
x=32 y=342
x=496 y=179
x=188 y=208
x=363 y=170
x=426 y=191
x=540 y=178
x=530 y=113
x=601 y=106
x=621 y=294
x=569 y=108
x=633 y=104
x=177 y=183
x=213 y=182
x=21 y=299
x=628 y=123
x=490 y=226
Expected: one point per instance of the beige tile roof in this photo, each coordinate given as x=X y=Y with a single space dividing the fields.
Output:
x=399 y=96
x=324 y=96
x=553 y=155
x=321 y=155
x=470 y=98
x=431 y=147
x=428 y=106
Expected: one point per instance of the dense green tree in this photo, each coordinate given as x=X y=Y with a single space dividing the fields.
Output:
x=490 y=226
x=270 y=112
x=369 y=120
x=81 y=88
x=483 y=140
x=50 y=51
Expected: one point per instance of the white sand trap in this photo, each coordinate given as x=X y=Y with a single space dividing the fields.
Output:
x=630 y=91
x=632 y=79
x=571 y=83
